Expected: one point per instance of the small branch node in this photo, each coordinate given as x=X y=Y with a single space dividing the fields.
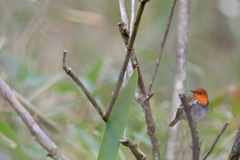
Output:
x=149 y=96
x=133 y=147
x=193 y=104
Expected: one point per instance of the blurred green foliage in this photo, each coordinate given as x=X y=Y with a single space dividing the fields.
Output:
x=9 y=140
x=33 y=35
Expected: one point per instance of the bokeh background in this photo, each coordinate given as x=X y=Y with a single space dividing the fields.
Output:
x=34 y=33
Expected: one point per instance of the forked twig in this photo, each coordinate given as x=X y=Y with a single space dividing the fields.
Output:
x=133 y=147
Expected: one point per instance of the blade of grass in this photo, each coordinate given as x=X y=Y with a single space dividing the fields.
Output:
x=118 y=120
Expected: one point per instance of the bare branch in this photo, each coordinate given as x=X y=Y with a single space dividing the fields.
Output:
x=83 y=88
x=235 y=153
x=196 y=145
x=162 y=45
x=133 y=147
x=142 y=97
x=124 y=66
x=34 y=128
x=216 y=140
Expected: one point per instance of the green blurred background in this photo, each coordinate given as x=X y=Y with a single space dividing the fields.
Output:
x=33 y=35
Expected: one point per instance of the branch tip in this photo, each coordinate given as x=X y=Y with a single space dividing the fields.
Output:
x=216 y=140
x=149 y=96
x=64 y=57
x=69 y=71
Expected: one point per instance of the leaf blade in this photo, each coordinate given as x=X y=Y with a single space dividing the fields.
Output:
x=118 y=120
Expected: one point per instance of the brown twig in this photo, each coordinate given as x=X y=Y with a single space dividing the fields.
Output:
x=139 y=155
x=83 y=88
x=196 y=145
x=34 y=128
x=124 y=66
x=216 y=140
x=235 y=153
x=162 y=46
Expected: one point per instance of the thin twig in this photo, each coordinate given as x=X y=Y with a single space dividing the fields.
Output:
x=41 y=137
x=81 y=85
x=162 y=45
x=235 y=153
x=196 y=145
x=124 y=66
x=216 y=140
x=64 y=57
x=139 y=155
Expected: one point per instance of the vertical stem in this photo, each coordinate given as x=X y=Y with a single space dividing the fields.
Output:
x=180 y=77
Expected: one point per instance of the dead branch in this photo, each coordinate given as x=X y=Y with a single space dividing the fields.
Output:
x=216 y=140
x=34 y=128
x=81 y=85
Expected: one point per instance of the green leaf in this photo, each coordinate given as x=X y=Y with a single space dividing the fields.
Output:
x=118 y=120
x=9 y=140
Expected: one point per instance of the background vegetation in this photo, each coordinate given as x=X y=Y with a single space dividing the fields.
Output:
x=33 y=35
